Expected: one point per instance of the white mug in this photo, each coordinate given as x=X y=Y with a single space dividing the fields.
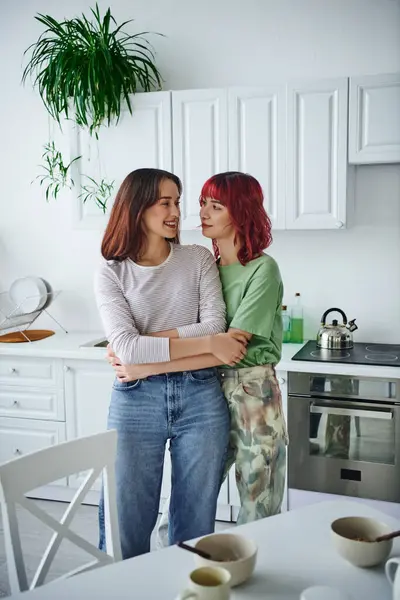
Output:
x=393 y=574
x=207 y=583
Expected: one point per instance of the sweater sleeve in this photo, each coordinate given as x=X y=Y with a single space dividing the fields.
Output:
x=212 y=311
x=119 y=325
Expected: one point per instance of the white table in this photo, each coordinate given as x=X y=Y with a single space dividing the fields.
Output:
x=295 y=551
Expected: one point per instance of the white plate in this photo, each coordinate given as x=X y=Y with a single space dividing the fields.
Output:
x=29 y=293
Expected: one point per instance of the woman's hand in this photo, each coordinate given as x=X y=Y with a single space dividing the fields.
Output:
x=228 y=348
x=112 y=357
x=125 y=373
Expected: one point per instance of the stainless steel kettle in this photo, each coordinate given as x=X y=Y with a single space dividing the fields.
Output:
x=336 y=336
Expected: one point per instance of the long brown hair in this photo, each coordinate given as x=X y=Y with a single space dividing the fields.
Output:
x=124 y=236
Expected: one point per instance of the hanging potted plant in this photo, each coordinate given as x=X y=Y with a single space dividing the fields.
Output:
x=86 y=70
x=90 y=67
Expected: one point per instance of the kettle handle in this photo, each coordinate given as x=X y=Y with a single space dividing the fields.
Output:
x=326 y=313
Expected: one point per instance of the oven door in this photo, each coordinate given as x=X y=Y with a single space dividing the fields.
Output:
x=344 y=447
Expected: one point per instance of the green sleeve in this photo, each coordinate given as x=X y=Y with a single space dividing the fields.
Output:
x=262 y=300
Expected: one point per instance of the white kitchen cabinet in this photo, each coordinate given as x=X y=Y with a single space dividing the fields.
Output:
x=23 y=436
x=292 y=138
x=374 y=119
x=88 y=386
x=32 y=415
x=234 y=499
x=257 y=134
x=316 y=195
x=141 y=139
x=200 y=144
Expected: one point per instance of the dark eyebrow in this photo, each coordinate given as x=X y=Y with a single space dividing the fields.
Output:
x=168 y=198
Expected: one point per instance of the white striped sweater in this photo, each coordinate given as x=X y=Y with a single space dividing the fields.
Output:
x=182 y=293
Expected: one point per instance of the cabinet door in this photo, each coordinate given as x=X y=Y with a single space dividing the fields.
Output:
x=200 y=144
x=23 y=436
x=140 y=139
x=257 y=142
x=88 y=387
x=317 y=155
x=374 y=120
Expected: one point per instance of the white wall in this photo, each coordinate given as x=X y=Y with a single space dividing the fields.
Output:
x=207 y=45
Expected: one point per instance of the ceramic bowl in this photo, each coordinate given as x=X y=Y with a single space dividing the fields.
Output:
x=350 y=537
x=234 y=553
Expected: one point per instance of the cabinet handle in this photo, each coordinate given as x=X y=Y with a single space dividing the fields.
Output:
x=339 y=224
x=66 y=369
x=15 y=403
x=281 y=380
x=17 y=452
x=12 y=370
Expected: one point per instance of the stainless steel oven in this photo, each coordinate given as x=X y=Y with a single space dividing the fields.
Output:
x=344 y=435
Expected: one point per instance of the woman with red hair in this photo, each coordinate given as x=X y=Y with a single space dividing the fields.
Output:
x=233 y=216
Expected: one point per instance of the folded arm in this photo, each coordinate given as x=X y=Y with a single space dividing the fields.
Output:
x=131 y=372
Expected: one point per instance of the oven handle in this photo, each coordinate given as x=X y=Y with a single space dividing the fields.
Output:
x=350 y=412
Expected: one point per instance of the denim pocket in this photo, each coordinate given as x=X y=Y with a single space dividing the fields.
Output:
x=120 y=386
x=203 y=375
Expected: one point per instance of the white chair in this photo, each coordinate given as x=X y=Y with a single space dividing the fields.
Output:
x=19 y=476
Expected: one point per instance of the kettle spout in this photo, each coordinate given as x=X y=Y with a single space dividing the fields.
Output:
x=351 y=326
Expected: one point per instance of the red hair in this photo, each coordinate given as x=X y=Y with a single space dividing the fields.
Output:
x=242 y=195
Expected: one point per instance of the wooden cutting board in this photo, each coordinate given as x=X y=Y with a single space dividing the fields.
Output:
x=34 y=335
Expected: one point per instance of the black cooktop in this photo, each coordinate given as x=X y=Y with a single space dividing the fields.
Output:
x=386 y=355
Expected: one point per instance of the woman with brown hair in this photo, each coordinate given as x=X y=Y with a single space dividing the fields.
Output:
x=160 y=301
x=233 y=216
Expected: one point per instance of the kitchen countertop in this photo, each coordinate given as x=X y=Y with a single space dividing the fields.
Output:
x=68 y=345
x=59 y=345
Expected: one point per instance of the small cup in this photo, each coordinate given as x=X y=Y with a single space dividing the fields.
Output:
x=392 y=569
x=207 y=583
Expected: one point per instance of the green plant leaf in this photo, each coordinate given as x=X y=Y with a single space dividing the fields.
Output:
x=90 y=66
x=56 y=174
x=97 y=191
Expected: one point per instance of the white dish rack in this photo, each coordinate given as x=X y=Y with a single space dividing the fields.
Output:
x=14 y=318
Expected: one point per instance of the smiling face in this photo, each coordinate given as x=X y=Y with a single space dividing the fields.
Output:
x=216 y=222
x=162 y=219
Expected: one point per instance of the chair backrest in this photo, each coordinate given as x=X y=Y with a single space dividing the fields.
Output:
x=95 y=454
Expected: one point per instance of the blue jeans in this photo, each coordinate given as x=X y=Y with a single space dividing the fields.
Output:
x=190 y=409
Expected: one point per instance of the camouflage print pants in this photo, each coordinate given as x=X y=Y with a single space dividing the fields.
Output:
x=258 y=441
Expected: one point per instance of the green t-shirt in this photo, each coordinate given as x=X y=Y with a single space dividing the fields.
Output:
x=253 y=296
